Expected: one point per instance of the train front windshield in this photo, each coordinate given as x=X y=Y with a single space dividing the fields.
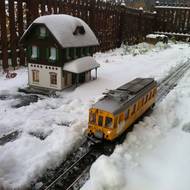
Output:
x=101 y=120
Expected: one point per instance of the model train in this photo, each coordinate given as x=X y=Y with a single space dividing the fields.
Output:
x=120 y=108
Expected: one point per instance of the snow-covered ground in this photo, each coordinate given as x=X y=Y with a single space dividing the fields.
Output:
x=61 y=121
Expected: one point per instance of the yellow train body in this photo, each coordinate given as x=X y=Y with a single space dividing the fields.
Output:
x=107 y=125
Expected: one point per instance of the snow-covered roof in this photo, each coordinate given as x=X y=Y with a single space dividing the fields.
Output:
x=81 y=65
x=172 y=7
x=174 y=34
x=63 y=27
x=155 y=36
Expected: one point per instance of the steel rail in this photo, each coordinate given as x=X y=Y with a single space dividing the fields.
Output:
x=169 y=82
x=68 y=170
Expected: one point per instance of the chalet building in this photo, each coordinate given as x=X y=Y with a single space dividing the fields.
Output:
x=59 y=52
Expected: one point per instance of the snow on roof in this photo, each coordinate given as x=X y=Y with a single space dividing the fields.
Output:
x=155 y=35
x=174 y=34
x=81 y=65
x=63 y=26
x=171 y=7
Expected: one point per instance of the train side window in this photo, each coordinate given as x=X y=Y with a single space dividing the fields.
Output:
x=92 y=118
x=146 y=99
x=154 y=92
x=134 y=108
x=150 y=95
x=126 y=114
x=108 y=122
x=100 y=120
x=142 y=101
x=139 y=105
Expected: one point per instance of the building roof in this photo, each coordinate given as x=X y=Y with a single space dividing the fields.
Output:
x=81 y=65
x=64 y=29
x=116 y=100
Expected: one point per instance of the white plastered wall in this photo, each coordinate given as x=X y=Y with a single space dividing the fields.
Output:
x=44 y=76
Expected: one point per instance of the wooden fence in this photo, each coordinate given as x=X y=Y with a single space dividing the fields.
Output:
x=173 y=17
x=112 y=23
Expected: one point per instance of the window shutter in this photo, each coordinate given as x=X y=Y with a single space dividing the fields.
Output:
x=81 y=52
x=29 y=51
x=57 y=54
x=87 y=51
x=38 y=52
x=72 y=52
x=75 y=52
x=47 y=53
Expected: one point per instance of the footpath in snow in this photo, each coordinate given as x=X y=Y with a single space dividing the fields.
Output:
x=61 y=122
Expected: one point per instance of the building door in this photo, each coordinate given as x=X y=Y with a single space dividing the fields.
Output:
x=74 y=78
x=81 y=77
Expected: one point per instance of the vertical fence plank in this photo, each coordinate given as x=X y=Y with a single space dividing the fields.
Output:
x=4 y=40
x=21 y=30
x=13 y=35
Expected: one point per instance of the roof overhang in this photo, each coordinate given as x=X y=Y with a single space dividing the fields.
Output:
x=81 y=65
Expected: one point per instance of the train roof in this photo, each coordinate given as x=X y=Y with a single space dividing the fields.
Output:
x=115 y=100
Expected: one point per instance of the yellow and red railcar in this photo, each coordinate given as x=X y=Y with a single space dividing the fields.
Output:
x=120 y=108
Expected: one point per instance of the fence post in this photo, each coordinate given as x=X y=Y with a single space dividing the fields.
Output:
x=13 y=35
x=4 y=41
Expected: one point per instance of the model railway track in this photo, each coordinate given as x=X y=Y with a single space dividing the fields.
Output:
x=53 y=179
x=169 y=82
x=75 y=170
x=69 y=177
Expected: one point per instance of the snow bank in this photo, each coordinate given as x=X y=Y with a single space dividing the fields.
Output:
x=156 y=154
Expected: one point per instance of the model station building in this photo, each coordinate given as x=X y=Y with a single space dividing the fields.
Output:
x=59 y=52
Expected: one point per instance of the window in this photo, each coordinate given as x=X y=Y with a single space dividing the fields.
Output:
x=134 y=109
x=78 y=52
x=108 y=122
x=142 y=101
x=146 y=99
x=87 y=51
x=42 y=32
x=53 y=78
x=67 y=54
x=53 y=54
x=82 y=52
x=35 y=52
x=100 y=120
x=126 y=114
x=92 y=118
x=75 y=52
x=150 y=95
x=72 y=53
x=154 y=92
x=35 y=75
x=79 y=30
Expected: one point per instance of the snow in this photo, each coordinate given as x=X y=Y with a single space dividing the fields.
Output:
x=81 y=65
x=155 y=36
x=156 y=154
x=62 y=27
x=172 y=7
x=62 y=121
x=174 y=34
